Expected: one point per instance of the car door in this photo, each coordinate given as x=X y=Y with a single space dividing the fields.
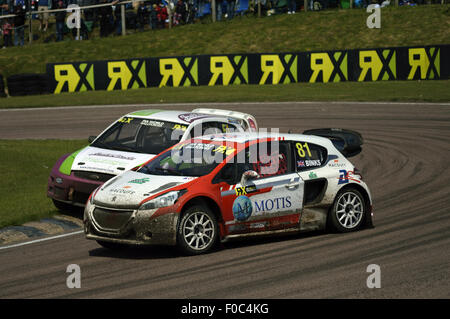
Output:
x=270 y=202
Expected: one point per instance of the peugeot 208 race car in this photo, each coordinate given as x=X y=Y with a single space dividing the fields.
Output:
x=230 y=185
x=130 y=141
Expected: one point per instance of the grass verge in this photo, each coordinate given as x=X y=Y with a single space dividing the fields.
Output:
x=24 y=169
x=406 y=91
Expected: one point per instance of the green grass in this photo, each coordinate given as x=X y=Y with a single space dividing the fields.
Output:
x=24 y=169
x=325 y=30
x=428 y=91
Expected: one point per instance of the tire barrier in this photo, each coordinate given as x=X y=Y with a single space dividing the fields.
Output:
x=2 y=87
x=28 y=84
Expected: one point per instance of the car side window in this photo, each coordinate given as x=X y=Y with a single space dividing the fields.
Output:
x=308 y=155
x=265 y=159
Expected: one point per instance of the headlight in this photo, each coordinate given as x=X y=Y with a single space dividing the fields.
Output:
x=164 y=200
x=91 y=197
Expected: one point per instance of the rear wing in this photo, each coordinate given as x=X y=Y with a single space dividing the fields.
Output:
x=346 y=141
x=247 y=121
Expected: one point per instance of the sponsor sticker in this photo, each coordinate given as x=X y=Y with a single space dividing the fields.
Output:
x=140 y=180
x=152 y=123
x=242 y=208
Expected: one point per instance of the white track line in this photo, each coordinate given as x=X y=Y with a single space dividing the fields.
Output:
x=42 y=239
x=158 y=105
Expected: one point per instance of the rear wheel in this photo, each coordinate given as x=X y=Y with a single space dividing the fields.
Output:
x=197 y=232
x=348 y=211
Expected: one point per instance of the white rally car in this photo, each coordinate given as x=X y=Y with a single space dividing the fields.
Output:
x=130 y=141
x=224 y=186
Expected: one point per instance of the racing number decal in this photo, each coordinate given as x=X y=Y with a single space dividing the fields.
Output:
x=301 y=149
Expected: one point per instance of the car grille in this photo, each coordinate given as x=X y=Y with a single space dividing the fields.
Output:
x=112 y=220
x=93 y=176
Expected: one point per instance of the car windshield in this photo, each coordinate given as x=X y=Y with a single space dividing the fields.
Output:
x=190 y=159
x=132 y=134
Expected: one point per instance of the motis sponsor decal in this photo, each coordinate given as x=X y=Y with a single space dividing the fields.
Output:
x=267 y=205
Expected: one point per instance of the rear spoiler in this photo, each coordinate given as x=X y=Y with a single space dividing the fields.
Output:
x=346 y=141
x=247 y=121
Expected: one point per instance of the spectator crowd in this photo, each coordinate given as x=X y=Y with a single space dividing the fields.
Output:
x=139 y=15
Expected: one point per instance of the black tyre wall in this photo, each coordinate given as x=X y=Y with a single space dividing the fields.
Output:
x=28 y=84
x=2 y=87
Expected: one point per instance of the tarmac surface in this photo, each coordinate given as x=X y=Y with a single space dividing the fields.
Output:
x=405 y=161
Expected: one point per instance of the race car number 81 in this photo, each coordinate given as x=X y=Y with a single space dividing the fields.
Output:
x=301 y=149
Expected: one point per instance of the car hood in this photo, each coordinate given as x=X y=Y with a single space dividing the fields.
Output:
x=131 y=188
x=94 y=159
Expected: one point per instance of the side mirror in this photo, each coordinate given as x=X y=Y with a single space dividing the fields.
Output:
x=91 y=138
x=248 y=176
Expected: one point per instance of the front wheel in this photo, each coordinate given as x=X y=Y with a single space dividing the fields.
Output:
x=198 y=231
x=348 y=211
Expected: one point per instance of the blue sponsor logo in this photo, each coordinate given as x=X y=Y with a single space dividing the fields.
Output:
x=242 y=208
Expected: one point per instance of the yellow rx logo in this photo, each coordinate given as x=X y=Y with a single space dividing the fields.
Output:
x=424 y=63
x=331 y=67
x=126 y=75
x=375 y=66
x=74 y=77
x=278 y=68
x=178 y=72
x=228 y=71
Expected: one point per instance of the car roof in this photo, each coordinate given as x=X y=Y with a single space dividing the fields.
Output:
x=181 y=117
x=244 y=137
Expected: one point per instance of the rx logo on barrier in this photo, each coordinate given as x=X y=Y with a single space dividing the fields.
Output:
x=178 y=72
x=332 y=67
x=278 y=69
x=424 y=63
x=377 y=65
x=126 y=75
x=74 y=77
x=228 y=70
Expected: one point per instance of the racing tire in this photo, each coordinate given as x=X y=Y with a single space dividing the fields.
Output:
x=197 y=231
x=348 y=211
x=111 y=246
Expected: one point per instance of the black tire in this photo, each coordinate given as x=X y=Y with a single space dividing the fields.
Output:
x=64 y=207
x=348 y=212
x=197 y=231
x=111 y=246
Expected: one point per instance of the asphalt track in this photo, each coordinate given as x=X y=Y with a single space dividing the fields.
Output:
x=405 y=162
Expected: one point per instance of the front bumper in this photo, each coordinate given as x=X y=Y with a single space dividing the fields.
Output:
x=70 y=189
x=130 y=226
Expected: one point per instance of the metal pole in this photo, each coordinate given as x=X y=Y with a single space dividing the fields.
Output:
x=123 y=20
x=30 y=36
x=169 y=11
x=78 y=24
x=213 y=10
x=305 y=5
x=259 y=8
